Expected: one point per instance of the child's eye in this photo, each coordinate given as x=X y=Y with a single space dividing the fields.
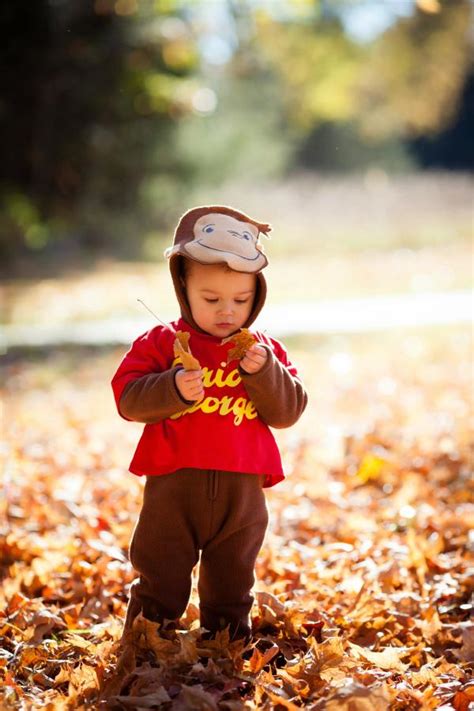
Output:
x=241 y=301
x=211 y=301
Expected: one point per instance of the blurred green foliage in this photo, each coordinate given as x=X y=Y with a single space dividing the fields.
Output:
x=405 y=83
x=114 y=112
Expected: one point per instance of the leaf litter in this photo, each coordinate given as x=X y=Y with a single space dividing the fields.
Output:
x=364 y=590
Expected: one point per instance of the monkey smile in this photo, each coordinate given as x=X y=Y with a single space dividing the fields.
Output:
x=226 y=251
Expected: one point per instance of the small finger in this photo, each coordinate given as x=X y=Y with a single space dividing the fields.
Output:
x=192 y=375
x=247 y=363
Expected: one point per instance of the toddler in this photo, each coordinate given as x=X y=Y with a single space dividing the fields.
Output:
x=206 y=451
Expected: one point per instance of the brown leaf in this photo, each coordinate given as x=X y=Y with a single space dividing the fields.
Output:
x=259 y=659
x=43 y=622
x=220 y=647
x=431 y=625
x=466 y=652
x=329 y=653
x=462 y=700
x=280 y=700
x=125 y=666
x=356 y=697
x=182 y=350
x=243 y=340
x=195 y=698
x=148 y=638
x=188 y=647
x=148 y=701
x=83 y=679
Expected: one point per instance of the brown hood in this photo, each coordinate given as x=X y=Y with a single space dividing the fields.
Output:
x=177 y=274
x=231 y=238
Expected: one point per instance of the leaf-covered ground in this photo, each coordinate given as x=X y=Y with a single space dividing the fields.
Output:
x=365 y=581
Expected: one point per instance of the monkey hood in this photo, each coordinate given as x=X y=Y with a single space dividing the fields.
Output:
x=218 y=235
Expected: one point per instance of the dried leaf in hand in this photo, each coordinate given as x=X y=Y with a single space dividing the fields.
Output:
x=243 y=340
x=181 y=350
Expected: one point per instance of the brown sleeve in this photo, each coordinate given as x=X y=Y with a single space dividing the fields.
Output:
x=279 y=396
x=152 y=397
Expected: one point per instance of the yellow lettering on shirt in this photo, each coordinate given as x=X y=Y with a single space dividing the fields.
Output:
x=216 y=377
x=240 y=407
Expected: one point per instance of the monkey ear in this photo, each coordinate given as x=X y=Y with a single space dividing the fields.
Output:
x=169 y=251
x=264 y=229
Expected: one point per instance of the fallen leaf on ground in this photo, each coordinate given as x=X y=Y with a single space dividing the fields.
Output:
x=388 y=658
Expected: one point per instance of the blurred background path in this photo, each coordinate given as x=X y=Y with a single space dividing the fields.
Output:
x=289 y=319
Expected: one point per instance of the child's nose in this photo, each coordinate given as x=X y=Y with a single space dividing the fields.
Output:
x=227 y=307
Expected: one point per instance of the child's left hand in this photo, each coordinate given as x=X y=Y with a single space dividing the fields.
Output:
x=254 y=359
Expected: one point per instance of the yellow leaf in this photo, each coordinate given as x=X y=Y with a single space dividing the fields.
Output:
x=182 y=350
x=426 y=675
x=389 y=658
x=370 y=467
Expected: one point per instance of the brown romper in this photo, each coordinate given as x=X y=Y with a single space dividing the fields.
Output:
x=221 y=514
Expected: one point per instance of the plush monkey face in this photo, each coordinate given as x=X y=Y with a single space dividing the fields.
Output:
x=221 y=235
x=221 y=238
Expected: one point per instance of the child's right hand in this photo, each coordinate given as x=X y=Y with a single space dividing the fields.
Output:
x=189 y=384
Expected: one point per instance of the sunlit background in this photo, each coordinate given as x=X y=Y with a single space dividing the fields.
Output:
x=326 y=117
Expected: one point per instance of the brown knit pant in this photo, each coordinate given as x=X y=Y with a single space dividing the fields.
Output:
x=221 y=514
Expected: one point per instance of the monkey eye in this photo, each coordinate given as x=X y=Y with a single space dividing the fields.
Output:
x=208 y=229
x=246 y=235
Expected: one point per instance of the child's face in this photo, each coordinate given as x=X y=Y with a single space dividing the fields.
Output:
x=221 y=300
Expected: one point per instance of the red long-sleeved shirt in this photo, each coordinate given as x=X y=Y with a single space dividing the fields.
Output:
x=229 y=429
